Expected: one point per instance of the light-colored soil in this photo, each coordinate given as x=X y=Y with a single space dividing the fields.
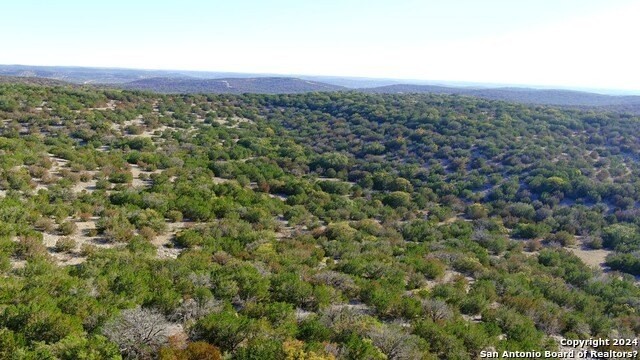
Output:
x=17 y=263
x=73 y=257
x=354 y=306
x=177 y=335
x=472 y=318
x=136 y=182
x=278 y=196
x=449 y=276
x=81 y=237
x=41 y=107
x=450 y=220
x=88 y=186
x=111 y=105
x=219 y=180
x=238 y=120
x=149 y=133
x=136 y=171
x=58 y=163
x=164 y=242
x=593 y=258
x=284 y=231
x=322 y=178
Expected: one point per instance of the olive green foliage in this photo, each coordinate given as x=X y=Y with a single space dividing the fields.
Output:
x=319 y=226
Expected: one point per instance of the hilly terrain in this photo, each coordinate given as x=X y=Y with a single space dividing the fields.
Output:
x=285 y=85
x=168 y=81
x=88 y=75
x=260 y=85
x=521 y=95
x=32 y=81
x=83 y=75
x=321 y=225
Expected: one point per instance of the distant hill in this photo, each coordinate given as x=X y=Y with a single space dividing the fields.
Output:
x=31 y=81
x=522 y=95
x=261 y=85
x=179 y=81
x=90 y=75
x=85 y=75
x=79 y=75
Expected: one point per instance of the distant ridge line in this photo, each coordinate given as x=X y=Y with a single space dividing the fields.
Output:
x=175 y=81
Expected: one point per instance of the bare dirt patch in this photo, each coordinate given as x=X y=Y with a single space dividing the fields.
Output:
x=82 y=237
x=164 y=242
x=591 y=257
x=219 y=180
x=136 y=171
x=111 y=105
x=233 y=122
x=88 y=186
x=149 y=133
x=448 y=277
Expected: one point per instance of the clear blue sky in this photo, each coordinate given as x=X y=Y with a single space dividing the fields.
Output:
x=572 y=43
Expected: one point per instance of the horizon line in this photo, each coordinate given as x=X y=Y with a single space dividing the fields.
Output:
x=444 y=83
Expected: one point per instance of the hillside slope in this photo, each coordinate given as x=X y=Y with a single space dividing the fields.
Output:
x=521 y=95
x=262 y=85
x=326 y=225
x=177 y=81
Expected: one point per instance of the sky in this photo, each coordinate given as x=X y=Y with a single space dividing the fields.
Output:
x=563 y=43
